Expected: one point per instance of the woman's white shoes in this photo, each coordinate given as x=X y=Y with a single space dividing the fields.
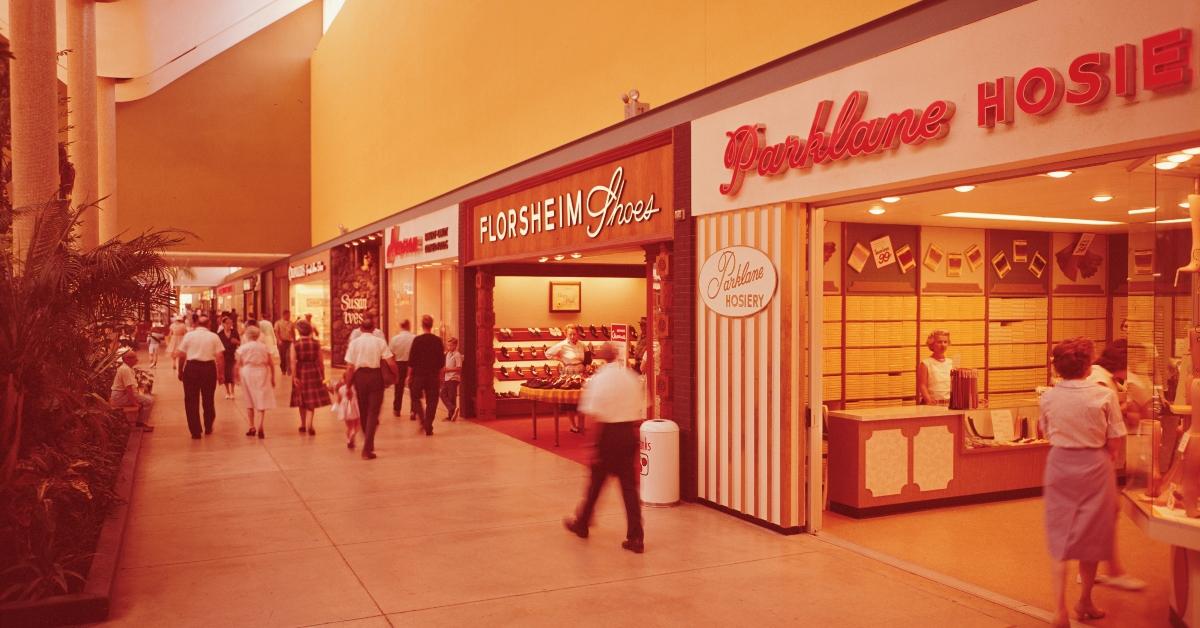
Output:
x=1124 y=582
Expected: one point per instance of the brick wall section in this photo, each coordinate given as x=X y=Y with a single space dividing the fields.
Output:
x=683 y=314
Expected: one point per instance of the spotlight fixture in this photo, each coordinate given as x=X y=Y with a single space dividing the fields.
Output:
x=1179 y=158
x=890 y=199
x=1192 y=151
x=877 y=211
x=1144 y=210
x=560 y=257
x=1102 y=198
x=543 y=259
x=1166 y=165
x=1172 y=221
x=1059 y=174
x=1185 y=205
x=963 y=188
x=371 y=237
x=576 y=255
x=1017 y=218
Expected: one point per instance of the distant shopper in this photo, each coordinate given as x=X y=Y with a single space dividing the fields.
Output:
x=125 y=392
x=256 y=371
x=153 y=341
x=400 y=345
x=614 y=398
x=1084 y=425
x=345 y=408
x=452 y=378
x=570 y=352
x=366 y=356
x=203 y=369
x=426 y=358
x=933 y=373
x=176 y=332
x=230 y=339
x=308 y=377
x=308 y=319
x=285 y=335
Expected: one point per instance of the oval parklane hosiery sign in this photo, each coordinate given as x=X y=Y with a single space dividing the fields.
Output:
x=738 y=281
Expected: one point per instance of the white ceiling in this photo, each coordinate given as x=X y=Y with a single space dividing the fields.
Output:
x=1133 y=184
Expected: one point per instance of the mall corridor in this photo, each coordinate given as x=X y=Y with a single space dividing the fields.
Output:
x=461 y=528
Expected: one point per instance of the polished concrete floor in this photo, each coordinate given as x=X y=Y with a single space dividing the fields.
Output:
x=462 y=528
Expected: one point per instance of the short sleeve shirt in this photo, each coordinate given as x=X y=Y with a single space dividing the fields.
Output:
x=201 y=345
x=613 y=395
x=401 y=345
x=367 y=351
x=1080 y=414
x=454 y=360
x=125 y=378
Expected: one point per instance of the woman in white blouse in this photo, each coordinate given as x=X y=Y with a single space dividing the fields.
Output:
x=933 y=373
x=570 y=352
x=1084 y=426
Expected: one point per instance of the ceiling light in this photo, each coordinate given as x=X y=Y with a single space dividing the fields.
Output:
x=1192 y=151
x=576 y=255
x=1144 y=210
x=963 y=188
x=435 y=264
x=1102 y=198
x=1166 y=165
x=890 y=199
x=1171 y=221
x=1014 y=217
x=1059 y=174
x=877 y=211
x=1185 y=205
x=1179 y=158
x=543 y=259
x=560 y=257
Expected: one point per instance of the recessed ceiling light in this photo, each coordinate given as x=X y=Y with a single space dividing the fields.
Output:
x=890 y=199
x=543 y=259
x=1171 y=221
x=1192 y=151
x=560 y=257
x=877 y=211
x=963 y=188
x=1144 y=210
x=1102 y=198
x=1179 y=158
x=1185 y=205
x=576 y=255
x=1059 y=174
x=1014 y=217
x=1166 y=165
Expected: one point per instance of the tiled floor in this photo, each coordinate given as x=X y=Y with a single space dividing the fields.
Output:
x=461 y=529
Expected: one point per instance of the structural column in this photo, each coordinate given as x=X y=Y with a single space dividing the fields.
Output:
x=34 y=97
x=106 y=121
x=81 y=114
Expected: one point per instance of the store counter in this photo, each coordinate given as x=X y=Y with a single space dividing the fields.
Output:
x=892 y=459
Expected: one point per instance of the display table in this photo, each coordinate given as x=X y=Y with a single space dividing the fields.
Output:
x=892 y=459
x=1183 y=534
x=556 y=397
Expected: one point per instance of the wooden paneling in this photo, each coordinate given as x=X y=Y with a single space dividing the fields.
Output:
x=750 y=376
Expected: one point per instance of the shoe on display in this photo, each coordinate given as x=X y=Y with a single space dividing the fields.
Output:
x=592 y=330
x=504 y=372
x=503 y=353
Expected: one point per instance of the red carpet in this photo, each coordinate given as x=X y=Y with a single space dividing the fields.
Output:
x=577 y=447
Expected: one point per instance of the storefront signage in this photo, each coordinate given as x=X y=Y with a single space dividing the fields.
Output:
x=1123 y=80
x=628 y=199
x=738 y=281
x=248 y=284
x=428 y=238
x=225 y=289
x=300 y=271
x=355 y=291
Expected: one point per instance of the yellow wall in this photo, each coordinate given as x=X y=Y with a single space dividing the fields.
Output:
x=224 y=150
x=525 y=301
x=413 y=99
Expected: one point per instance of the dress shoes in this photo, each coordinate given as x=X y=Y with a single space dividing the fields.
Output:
x=575 y=527
x=369 y=455
x=634 y=545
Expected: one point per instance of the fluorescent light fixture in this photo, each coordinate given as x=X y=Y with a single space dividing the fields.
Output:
x=1192 y=151
x=576 y=255
x=1166 y=165
x=435 y=263
x=1102 y=198
x=1179 y=158
x=963 y=188
x=1172 y=221
x=1059 y=174
x=877 y=211
x=1144 y=210
x=543 y=259
x=890 y=199
x=560 y=257
x=1017 y=218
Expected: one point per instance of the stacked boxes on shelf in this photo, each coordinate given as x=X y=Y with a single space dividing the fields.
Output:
x=963 y=317
x=831 y=367
x=881 y=358
x=1017 y=356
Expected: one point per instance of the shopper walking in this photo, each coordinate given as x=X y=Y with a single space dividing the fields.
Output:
x=230 y=339
x=285 y=334
x=308 y=377
x=176 y=332
x=452 y=376
x=426 y=359
x=401 y=345
x=365 y=357
x=256 y=371
x=1084 y=426
x=203 y=358
x=614 y=398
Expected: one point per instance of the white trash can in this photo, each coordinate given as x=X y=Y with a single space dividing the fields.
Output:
x=659 y=462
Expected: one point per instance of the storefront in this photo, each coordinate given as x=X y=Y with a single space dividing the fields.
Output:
x=250 y=295
x=421 y=258
x=587 y=245
x=356 y=290
x=309 y=293
x=227 y=300
x=1036 y=191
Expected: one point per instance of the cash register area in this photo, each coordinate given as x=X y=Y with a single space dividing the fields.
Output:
x=1008 y=268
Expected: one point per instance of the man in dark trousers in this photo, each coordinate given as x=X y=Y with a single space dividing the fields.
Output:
x=426 y=358
x=614 y=399
x=401 y=346
x=203 y=369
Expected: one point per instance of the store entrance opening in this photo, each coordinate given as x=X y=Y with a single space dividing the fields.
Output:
x=940 y=312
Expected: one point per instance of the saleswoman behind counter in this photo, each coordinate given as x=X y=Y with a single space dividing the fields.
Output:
x=933 y=373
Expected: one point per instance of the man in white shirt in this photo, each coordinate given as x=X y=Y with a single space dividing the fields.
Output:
x=400 y=345
x=365 y=358
x=125 y=390
x=203 y=368
x=614 y=398
x=376 y=332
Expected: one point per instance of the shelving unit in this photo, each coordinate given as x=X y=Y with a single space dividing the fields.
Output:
x=1183 y=320
x=963 y=317
x=523 y=350
x=1017 y=359
x=831 y=356
x=880 y=356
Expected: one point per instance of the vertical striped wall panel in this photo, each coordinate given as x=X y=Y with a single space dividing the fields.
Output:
x=750 y=375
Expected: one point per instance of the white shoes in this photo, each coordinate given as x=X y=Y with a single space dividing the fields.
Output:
x=1124 y=582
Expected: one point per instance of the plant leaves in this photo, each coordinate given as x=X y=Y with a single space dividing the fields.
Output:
x=81 y=485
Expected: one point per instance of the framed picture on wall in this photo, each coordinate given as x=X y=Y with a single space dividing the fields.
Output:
x=565 y=296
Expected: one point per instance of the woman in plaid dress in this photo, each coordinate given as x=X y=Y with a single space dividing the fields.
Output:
x=308 y=377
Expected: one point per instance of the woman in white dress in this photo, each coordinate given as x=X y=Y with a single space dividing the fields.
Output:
x=256 y=370
x=571 y=353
